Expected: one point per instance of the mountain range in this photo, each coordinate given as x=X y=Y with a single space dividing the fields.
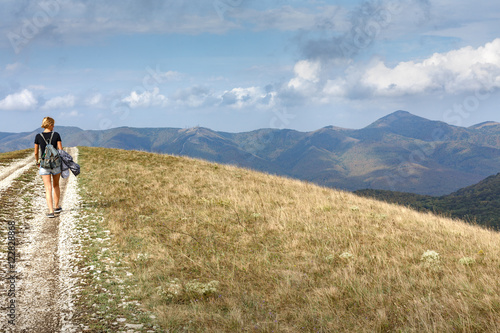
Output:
x=399 y=152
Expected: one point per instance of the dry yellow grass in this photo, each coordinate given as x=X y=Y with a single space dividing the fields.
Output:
x=221 y=249
x=8 y=157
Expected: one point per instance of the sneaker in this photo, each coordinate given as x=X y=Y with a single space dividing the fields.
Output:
x=58 y=210
x=50 y=215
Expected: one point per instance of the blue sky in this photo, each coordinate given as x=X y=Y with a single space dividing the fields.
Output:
x=239 y=65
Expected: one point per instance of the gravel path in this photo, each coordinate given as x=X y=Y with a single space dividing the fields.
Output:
x=41 y=277
x=12 y=171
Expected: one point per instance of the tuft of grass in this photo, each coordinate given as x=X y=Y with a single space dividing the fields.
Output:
x=215 y=248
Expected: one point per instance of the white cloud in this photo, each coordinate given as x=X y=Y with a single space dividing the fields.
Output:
x=466 y=69
x=455 y=72
x=306 y=74
x=23 y=100
x=239 y=98
x=94 y=100
x=146 y=99
x=236 y=98
x=62 y=102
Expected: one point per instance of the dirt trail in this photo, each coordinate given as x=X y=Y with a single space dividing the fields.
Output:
x=39 y=283
x=12 y=171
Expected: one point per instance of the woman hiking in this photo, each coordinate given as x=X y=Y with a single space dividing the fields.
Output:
x=50 y=176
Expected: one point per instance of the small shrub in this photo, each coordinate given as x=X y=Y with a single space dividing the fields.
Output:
x=431 y=258
x=467 y=261
x=201 y=289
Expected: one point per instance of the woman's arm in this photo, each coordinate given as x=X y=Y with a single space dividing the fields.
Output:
x=59 y=145
x=36 y=153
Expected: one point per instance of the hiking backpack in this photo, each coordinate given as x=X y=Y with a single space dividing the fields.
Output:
x=50 y=158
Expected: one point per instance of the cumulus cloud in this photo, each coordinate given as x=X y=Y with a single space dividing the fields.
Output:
x=21 y=101
x=235 y=98
x=146 y=99
x=459 y=71
x=306 y=75
x=94 y=100
x=60 y=102
x=239 y=98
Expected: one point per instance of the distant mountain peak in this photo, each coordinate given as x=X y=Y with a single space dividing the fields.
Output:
x=401 y=113
x=485 y=125
x=396 y=117
x=408 y=125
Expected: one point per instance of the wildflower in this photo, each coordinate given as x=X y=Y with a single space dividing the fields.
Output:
x=431 y=258
x=467 y=261
x=171 y=289
x=346 y=255
x=142 y=257
x=202 y=288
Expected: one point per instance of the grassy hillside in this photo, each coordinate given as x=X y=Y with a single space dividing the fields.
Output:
x=219 y=249
x=479 y=203
x=9 y=157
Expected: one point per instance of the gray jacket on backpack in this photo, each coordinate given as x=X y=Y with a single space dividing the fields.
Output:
x=67 y=164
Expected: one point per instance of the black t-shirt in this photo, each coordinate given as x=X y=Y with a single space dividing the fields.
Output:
x=46 y=135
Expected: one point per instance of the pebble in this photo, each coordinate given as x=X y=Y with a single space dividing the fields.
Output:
x=134 y=326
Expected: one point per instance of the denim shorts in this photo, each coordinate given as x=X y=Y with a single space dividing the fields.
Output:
x=45 y=172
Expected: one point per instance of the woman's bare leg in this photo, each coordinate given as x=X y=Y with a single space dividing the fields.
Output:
x=57 y=190
x=48 y=192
